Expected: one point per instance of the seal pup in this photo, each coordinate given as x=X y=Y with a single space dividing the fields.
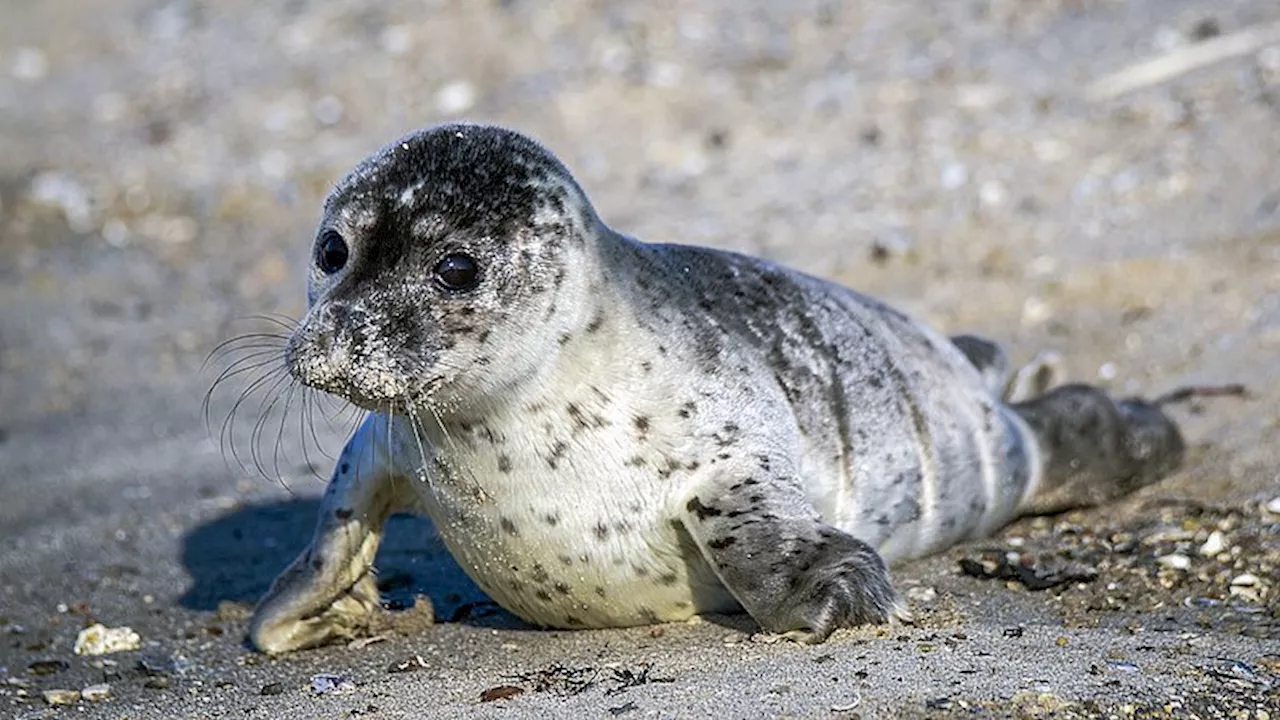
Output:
x=611 y=433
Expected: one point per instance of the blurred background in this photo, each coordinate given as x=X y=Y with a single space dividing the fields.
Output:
x=162 y=163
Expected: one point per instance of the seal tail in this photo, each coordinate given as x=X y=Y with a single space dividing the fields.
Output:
x=1094 y=448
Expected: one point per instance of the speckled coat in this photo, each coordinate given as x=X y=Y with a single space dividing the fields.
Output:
x=606 y=432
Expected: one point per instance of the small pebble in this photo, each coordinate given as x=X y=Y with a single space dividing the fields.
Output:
x=1214 y=545
x=1035 y=311
x=922 y=594
x=954 y=176
x=1244 y=580
x=96 y=693
x=455 y=98
x=1273 y=507
x=30 y=64
x=1246 y=586
x=1175 y=561
x=329 y=684
x=61 y=697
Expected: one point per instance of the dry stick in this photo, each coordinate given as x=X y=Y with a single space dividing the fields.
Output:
x=1183 y=394
x=1182 y=61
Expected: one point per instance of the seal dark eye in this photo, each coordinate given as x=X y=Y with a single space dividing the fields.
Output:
x=457 y=272
x=331 y=253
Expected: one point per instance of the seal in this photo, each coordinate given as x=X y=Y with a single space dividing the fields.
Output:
x=611 y=433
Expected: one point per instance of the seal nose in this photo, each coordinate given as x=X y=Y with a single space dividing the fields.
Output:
x=320 y=351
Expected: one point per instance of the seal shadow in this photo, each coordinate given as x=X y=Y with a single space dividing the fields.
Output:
x=234 y=558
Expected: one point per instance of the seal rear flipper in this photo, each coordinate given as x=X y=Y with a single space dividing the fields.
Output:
x=792 y=573
x=1094 y=449
x=988 y=357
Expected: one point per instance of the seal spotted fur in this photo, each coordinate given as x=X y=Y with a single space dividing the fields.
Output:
x=611 y=433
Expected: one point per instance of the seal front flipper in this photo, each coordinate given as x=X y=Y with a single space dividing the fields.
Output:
x=329 y=591
x=792 y=573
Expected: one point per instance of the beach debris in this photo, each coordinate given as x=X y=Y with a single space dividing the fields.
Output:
x=98 y=639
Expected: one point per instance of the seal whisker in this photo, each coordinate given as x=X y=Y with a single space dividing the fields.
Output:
x=250 y=363
x=289 y=393
x=270 y=399
x=240 y=342
x=226 y=435
x=280 y=319
x=415 y=425
x=309 y=403
x=305 y=422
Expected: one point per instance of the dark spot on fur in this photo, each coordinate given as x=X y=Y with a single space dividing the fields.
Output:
x=573 y=621
x=562 y=588
x=508 y=527
x=702 y=512
x=722 y=543
x=667 y=579
x=317 y=563
x=639 y=571
x=600 y=591
x=343 y=513
x=565 y=338
x=565 y=559
x=646 y=366
x=648 y=616
x=344 y=468
x=642 y=423
x=504 y=463
x=636 y=461
x=540 y=574
x=543 y=595
x=596 y=322
x=551 y=520
x=557 y=452
x=575 y=414
x=602 y=531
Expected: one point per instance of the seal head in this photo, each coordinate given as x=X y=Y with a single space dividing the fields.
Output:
x=430 y=258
